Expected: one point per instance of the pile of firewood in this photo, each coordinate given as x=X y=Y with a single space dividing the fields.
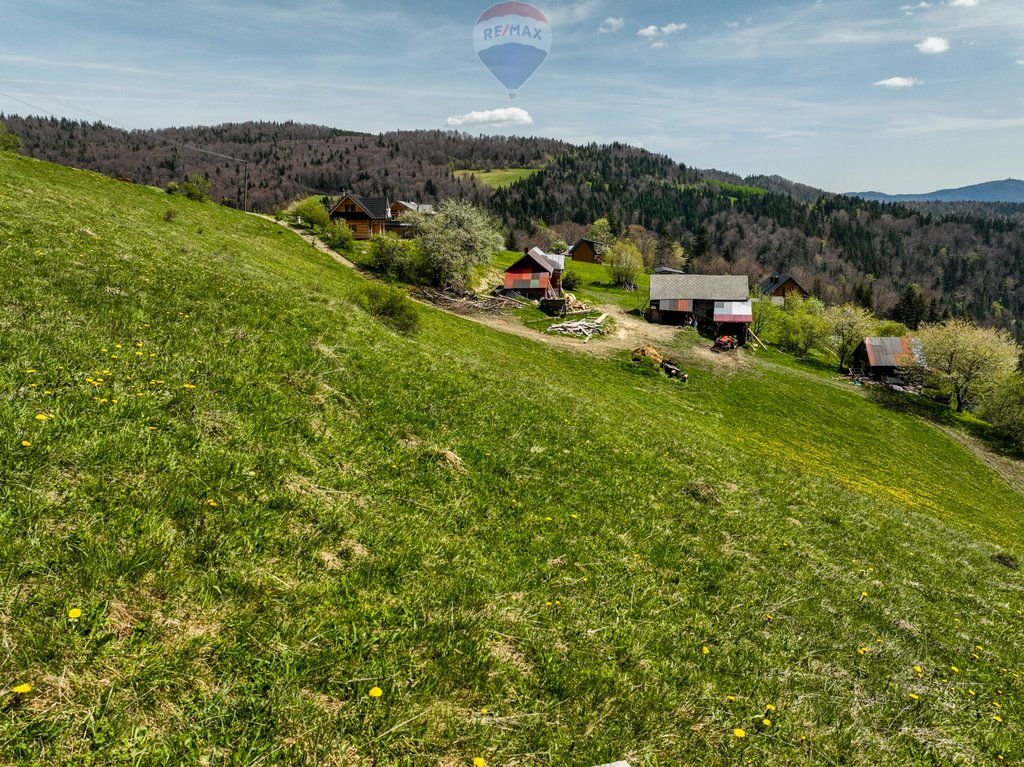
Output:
x=581 y=328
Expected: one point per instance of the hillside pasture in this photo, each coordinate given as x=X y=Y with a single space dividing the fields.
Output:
x=247 y=524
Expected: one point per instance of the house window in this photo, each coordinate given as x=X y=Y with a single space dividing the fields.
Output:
x=349 y=207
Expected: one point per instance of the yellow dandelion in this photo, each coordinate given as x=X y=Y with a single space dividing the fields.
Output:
x=41 y=417
x=769 y=618
x=376 y=692
x=739 y=733
x=971 y=693
x=478 y=762
x=997 y=718
x=996 y=704
x=74 y=614
x=706 y=650
x=484 y=711
x=22 y=689
x=730 y=698
x=211 y=502
x=862 y=650
x=26 y=443
x=769 y=707
x=766 y=722
x=918 y=669
x=954 y=669
x=914 y=696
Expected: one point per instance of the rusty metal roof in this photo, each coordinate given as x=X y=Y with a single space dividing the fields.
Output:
x=893 y=351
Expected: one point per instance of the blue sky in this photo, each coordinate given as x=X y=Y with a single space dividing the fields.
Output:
x=842 y=94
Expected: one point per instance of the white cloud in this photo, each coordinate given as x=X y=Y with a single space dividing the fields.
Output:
x=491 y=117
x=611 y=24
x=963 y=3
x=732 y=24
x=655 y=31
x=899 y=82
x=1020 y=61
x=659 y=44
x=909 y=9
x=933 y=45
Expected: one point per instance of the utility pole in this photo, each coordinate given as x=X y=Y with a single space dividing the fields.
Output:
x=245 y=189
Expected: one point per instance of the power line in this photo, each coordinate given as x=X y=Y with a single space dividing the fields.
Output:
x=151 y=134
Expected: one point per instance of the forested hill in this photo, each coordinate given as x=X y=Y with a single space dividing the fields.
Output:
x=840 y=248
x=965 y=260
x=286 y=160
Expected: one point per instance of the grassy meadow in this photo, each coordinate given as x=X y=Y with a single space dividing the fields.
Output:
x=245 y=524
x=499 y=177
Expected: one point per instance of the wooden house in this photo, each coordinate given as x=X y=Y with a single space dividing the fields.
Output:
x=883 y=356
x=536 y=275
x=369 y=216
x=717 y=304
x=778 y=285
x=588 y=251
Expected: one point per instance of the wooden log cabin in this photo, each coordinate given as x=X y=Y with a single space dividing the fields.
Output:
x=370 y=216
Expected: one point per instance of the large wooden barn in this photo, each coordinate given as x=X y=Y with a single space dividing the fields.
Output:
x=717 y=304
x=883 y=356
x=536 y=275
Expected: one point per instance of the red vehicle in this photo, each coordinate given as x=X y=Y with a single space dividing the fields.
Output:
x=725 y=344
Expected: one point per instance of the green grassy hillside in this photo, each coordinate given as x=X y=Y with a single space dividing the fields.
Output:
x=499 y=178
x=266 y=506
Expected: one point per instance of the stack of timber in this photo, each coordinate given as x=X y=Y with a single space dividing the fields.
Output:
x=581 y=328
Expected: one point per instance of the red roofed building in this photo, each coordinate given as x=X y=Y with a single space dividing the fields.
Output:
x=536 y=275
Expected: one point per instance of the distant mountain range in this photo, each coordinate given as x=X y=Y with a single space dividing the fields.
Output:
x=1010 y=190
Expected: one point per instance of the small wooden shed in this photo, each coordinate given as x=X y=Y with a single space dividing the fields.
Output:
x=588 y=251
x=536 y=275
x=883 y=356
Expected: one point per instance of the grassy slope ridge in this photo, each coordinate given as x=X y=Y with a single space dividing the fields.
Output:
x=464 y=519
x=498 y=178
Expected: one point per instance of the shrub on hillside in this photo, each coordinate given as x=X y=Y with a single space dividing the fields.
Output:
x=391 y=306
x=571 y=280
x=396 y=258
x=310 y=213
x=9 y=142
x=196 y=187
x=338 y=236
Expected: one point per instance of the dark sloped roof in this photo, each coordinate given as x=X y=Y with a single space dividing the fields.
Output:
x=776 y=281
x=700 y=287
x=375 y=207
x=893 y=351
x=597 y=246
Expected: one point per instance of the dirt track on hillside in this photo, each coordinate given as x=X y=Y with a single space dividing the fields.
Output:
x=630 y=331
